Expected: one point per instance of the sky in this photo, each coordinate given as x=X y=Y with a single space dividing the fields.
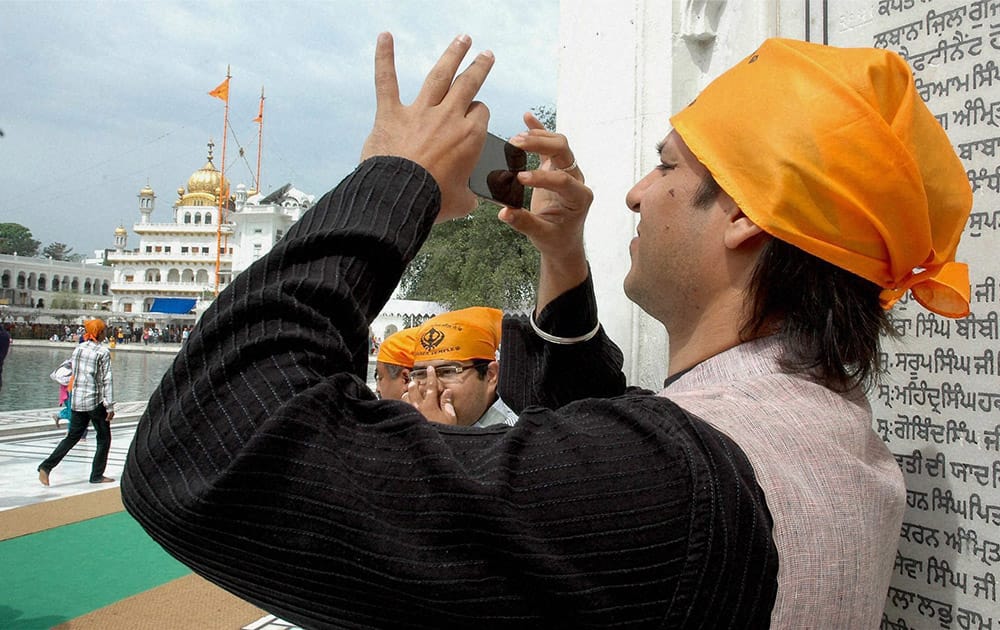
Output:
x=99 y=99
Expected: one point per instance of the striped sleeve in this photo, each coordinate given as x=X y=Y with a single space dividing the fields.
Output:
x=265 y=464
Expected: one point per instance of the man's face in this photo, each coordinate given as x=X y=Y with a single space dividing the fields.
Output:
x=672 y=245
x=471 y=394
x=388 y=387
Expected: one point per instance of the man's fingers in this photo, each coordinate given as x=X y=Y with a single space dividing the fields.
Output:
x=553 y=146
x=522 y=221
x=447 y=406
x=431 y=390
x=386 y=84
x=531 y=122
x=441 y=76
x=570 y=188
x=466 y=85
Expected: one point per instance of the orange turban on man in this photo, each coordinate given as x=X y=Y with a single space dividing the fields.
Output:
x=832 y=150
x=397 y=348
x=93 y=329
x=469 y=333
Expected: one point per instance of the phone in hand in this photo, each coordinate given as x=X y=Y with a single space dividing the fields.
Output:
x=495 y=175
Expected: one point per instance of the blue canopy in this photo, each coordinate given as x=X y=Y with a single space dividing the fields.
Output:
x=179 y=306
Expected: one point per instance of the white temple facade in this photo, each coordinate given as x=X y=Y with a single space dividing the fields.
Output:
x=181 y=264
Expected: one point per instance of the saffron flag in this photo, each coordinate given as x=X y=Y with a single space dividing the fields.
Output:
x=260 y=112
x=221 y=91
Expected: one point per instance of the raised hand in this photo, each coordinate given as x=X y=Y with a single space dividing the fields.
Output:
x=430 y=400
x=559 y=205
x=443 y=130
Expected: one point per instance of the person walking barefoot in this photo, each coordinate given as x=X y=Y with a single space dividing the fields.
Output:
x=92 y=403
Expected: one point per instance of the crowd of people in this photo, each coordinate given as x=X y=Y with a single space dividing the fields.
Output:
x=119 y=334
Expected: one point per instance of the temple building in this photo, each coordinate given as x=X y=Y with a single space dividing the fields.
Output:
x=180 y=264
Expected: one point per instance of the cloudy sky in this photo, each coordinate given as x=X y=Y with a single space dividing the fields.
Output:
x=97 y=99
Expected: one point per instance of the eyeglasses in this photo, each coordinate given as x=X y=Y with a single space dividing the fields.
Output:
x=445 y=373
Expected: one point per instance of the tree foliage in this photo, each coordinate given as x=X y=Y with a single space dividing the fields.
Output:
x=478 y=260
x=58 y=251
x=475 y=261
x=16 y=239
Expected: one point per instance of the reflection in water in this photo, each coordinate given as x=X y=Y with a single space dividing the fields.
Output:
x=26 y=382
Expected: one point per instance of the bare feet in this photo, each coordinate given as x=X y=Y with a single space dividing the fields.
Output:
x=55 y=417
x=101 y=480
x=43 y=476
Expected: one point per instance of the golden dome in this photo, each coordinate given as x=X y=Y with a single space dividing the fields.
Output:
x=207 y=178
x=146 y=191
x=120 y=231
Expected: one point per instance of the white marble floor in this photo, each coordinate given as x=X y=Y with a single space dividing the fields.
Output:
x=21 y=454
x=27 y=438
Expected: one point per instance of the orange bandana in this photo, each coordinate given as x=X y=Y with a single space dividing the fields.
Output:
x=832 y=150
x=397 y=348
x=470 y=333
x=93 y=328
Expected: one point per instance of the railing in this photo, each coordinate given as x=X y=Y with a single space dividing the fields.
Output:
x=161 y=287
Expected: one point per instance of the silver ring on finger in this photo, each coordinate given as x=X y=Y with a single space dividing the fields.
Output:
x=569 y=168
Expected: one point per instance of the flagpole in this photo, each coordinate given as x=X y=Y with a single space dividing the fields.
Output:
x=223 y=189
x=260 y=134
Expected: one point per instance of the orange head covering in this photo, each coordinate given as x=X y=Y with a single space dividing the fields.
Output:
x=397 y=348
x=470 y=333
x=93 y=328
x=832 y=150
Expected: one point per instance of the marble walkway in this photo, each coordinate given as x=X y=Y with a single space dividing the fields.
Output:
x=27 y=437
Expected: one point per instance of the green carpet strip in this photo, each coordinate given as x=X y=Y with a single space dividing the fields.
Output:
x=58 y=574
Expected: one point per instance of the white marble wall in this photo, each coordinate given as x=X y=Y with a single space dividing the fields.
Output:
x=624 y=68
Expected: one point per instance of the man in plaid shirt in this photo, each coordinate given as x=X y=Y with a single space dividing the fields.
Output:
x=93 y=403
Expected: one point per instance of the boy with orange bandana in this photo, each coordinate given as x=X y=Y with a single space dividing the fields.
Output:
x=92 y=403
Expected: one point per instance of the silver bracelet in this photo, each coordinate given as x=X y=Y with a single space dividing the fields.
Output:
x=564 y=341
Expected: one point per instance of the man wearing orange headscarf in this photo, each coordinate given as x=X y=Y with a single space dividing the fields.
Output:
x=92 y=403
x=393 y=364
x=456 y=373
x=800 y=194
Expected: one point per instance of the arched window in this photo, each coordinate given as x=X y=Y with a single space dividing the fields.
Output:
x=173 y=275
x=55 y=283
x=42 y=282
x=187 y=217
x=74 y=286
x=197 y=218
x=21 y=279
x=187 y=275
x=202 y=277
x=152 y=275
x=105 y=288
x=86 y=286
x=208 y=218
x=5 y=280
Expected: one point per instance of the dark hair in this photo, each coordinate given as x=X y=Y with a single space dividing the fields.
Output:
x=482 y=366
x=830 y=318
x=707 y=191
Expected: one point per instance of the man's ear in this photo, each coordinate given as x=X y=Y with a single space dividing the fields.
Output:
x=405 y=373
x=493 y=373
x=740 y=230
